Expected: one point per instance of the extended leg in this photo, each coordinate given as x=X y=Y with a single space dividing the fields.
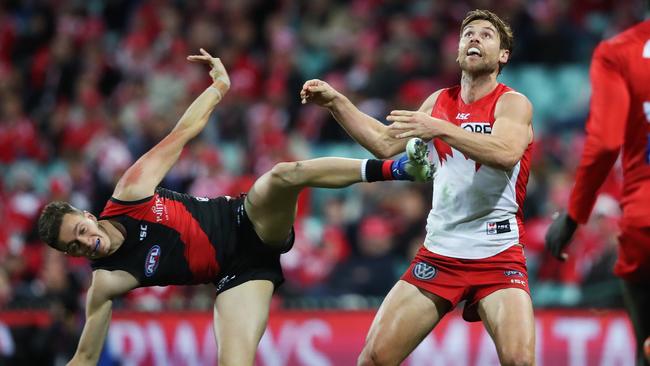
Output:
x=271 y=202
x=240 y=317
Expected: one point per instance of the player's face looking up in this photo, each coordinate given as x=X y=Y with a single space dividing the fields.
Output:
x=81 y=236
x=479 y=49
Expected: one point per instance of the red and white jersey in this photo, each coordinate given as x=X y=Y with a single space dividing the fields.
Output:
x=477 y=210
x=619 y=120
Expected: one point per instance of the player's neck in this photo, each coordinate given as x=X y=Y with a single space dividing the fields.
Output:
x=116 y=233
x=475 y=87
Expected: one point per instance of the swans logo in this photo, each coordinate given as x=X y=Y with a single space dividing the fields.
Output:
x=424 y=271
x=152 y=261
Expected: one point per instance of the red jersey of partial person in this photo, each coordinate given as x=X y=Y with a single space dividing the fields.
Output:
x=619 y=120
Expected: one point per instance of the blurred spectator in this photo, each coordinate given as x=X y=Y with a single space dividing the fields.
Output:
x=372 y=271
x=87 y=87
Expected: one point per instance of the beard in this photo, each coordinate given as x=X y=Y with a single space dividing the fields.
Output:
x=483 y=67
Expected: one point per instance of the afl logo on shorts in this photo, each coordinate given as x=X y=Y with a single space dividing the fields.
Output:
x=152 y=260
x=424 y=271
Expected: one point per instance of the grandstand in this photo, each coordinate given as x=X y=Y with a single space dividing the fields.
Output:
x=87 y=86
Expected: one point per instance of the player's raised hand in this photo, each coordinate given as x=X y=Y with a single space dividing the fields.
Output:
x=217 y=70
x=318 y=92
x=407 y=124
x=559 y=235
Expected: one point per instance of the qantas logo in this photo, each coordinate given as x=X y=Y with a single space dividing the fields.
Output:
x=477 y=127
x=152 y=260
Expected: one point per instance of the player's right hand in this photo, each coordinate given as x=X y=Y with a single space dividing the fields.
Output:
x=559 y=235
x=318 y=92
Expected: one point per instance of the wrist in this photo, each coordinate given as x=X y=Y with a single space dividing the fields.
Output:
x=337 y=102
x=220 y=86
x=571 y=223
x=440 y=129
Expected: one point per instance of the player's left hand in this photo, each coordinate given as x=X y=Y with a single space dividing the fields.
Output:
x=559 y=235
x=406 y=124
x=217 y=70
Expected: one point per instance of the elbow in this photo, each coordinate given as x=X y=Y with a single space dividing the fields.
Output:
x=507 y=158
x=386 y=148
x=81 y=359
x=506 y=162
x=382 y=154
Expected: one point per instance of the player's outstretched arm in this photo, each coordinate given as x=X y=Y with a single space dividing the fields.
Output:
x=105 y=286
x=142 y=178
x=367 y=131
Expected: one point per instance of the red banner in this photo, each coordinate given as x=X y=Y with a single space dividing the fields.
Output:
x=573 y=338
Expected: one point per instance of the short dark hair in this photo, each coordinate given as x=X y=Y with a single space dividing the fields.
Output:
x=506 y=38
x=49 y=223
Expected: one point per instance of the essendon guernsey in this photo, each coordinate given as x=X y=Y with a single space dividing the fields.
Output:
x=171 y=238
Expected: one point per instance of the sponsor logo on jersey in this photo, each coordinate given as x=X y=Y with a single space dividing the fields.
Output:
x=151 y=261
x=477 y=127
x=500 y=227
x=159 y=210
x=513 y=273
x=518 y=282
x=143 y=232
x=424 y=271
x=240 y=213
x=224 y=281
x=462 y=116
x=202 y=199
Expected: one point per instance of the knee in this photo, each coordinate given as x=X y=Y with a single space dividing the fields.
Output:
x=240 y=359
x=371 y=356
x=518 y=357
x=287 y=174
x=369 y=359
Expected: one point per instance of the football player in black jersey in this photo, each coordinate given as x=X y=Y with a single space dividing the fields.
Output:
x=149 y=236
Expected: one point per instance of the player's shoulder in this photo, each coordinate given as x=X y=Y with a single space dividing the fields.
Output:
x=513 y=99
x=431 y=101
x=631 y=37
x=510 y=95
x=514 y=95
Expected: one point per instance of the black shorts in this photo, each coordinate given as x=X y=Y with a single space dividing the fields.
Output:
x=247 y=257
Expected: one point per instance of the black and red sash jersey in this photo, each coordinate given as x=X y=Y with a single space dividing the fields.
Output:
x=171 y=238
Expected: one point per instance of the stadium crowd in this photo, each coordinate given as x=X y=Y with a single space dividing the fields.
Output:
x=87 y=86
